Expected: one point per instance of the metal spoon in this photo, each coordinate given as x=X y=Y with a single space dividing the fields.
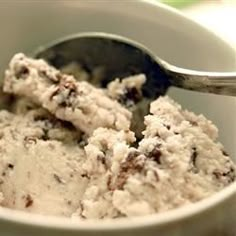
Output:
x=120 y=57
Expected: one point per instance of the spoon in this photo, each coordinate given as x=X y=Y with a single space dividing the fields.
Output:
x=120 y=57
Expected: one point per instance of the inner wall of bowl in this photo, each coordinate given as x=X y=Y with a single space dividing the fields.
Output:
x=27 y=25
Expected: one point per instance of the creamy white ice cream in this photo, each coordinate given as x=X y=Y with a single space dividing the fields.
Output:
x=67 y=148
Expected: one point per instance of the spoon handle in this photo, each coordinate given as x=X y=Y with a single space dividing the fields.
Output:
x=223 y=83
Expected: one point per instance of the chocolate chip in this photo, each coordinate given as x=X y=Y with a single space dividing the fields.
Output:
x=28 y=201
x=167 y=126
x=132 y=155
x=85 y=175
x=225 y=153
x=64 y=104
x=194 y=156
x=155 y=154
x=101 y=158
x=22 y=72
x=133 y=163
x=130 y=96
x=109 y=183
x=45 y=136
x=10 y=166
x=58 y=179
x=193 y=123
x=70 y=88
x=217 y=174
x=193 y=159
x=229 y=175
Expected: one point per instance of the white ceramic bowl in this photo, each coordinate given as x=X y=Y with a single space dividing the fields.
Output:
x=27 y=24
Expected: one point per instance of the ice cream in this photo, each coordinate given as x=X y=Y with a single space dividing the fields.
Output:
x=40 y=163
x=85 y=106
x=68 y=148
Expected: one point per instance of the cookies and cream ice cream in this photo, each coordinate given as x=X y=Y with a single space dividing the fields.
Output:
x=68 y=148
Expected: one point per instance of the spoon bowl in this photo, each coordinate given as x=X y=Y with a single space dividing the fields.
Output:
x=116 y=56
x=119 y=57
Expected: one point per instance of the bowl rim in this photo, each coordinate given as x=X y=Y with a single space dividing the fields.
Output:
x=17 y=217
x=182 y=15
x=160 y=219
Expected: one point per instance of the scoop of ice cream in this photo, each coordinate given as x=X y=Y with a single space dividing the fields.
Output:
x=40 y=164
x=178 y=162
x=105 y=151
x=49 y=166
x=184 y=161
x=85 y=106
x=128 y=92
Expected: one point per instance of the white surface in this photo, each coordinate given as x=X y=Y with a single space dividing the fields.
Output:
x=219 y=17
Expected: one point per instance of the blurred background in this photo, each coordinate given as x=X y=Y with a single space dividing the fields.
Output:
x=217 y=15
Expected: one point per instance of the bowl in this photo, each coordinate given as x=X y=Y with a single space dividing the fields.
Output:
x=25 y=25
